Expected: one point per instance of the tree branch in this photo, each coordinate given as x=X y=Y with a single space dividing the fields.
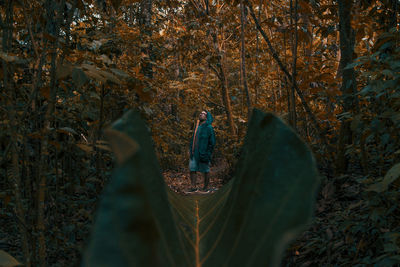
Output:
x=195 y=5
x=215 y=70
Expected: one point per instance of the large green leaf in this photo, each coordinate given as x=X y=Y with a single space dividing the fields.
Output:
x=6 y=260
x=391 y=176
x=248 y=222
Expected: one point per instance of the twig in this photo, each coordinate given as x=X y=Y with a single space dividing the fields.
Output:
x=215 y=70
x=195 y=5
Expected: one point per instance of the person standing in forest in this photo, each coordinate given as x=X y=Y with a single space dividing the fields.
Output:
x=201 y=147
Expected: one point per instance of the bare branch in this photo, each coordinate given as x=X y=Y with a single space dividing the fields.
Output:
x=195 y=5
x=215 y=70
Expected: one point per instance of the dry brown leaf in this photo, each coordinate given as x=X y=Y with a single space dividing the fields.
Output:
x=85 y=147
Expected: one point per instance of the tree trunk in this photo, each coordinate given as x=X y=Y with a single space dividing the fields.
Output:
x=10 y=90
x=225 y=95
x=146 y=32
x=348 y=86
x=54 y=15
x=292 y=112
x=243 y=61
x=393 y=11
x=284 y=83
x=257 y=79
x=99 y=152
x=221 y=74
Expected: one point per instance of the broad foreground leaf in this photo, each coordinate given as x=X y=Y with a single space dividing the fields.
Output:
x=6 y=260
x=248 y=222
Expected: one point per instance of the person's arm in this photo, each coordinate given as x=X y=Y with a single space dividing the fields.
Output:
x=190 y=145
x=193 y=137
x=211 y=142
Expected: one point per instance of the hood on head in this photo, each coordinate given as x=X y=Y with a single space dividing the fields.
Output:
x=209 y=118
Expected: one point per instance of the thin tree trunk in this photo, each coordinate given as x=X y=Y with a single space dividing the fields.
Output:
x=274 y=100
x=257 y=82
x=348 y=86
x=364 y=153
x=286 y=86
x=15 y=177
x=243 y=60
x=16 y=182
x=206 y=3
x=225 y=96
x=293 y=116
x=225 y=88
x=54 y=16
x=285 y=82
x=221 y=74
x=99 y=153
x=393 y=11
x=146 y=31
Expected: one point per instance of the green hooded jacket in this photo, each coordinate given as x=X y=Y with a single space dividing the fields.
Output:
x=205 y=141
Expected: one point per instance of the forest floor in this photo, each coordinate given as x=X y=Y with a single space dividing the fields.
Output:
x=179 y=181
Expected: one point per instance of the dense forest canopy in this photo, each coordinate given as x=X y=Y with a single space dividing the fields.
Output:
x=329 y=68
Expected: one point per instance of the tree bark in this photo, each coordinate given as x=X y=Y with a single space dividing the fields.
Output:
x=348 y=86
x=292 y=112
x=393 y=11
x=257 y=79
x=54 y=15
x=225 y=94
x=221 y=74
x=10 y=90
x=243 y=60
x=220 y=71
x=146 y=32
x=99 y=152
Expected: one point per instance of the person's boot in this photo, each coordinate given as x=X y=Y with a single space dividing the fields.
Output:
x=206 y=180
x=193 y=182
